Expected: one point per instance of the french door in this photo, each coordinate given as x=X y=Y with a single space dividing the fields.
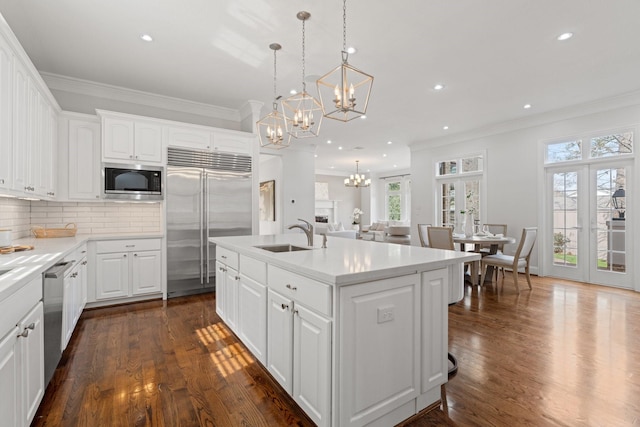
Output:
x=587 y=222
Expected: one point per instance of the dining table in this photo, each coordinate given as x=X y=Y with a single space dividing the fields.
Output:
x=478 y=241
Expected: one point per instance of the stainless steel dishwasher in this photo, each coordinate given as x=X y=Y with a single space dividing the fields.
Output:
x=52 y=291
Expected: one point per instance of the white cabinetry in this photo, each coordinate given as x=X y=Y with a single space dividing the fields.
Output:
x=74 y=294
x=190 y=137
x=299 y=340
x=227 y=280
x=84 y=160
x=252 y=306
x=6 y=116
x=233 y=142
x=127 y=268
x=21 y=143
x=131 y=140
x=21 y=354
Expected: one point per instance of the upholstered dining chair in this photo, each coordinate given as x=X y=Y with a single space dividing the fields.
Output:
x=484 y=249
x=519 y=260
x=442 y=238
x=422 y=234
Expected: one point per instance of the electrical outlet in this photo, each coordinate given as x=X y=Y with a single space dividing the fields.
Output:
x=386 y=314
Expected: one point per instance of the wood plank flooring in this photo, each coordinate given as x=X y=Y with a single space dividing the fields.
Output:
x=563 y=354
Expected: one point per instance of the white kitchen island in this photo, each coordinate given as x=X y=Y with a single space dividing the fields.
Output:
x=356 y=332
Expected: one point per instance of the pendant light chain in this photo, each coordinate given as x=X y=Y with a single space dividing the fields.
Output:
x=275 y=79
x=304 y=84
x=344 y=25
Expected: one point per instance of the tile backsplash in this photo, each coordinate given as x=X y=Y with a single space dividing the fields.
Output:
x=90 y=218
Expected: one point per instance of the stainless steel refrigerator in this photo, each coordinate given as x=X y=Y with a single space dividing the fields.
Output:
x=207 y=195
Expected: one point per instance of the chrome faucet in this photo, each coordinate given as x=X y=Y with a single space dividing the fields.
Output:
x=307 y=230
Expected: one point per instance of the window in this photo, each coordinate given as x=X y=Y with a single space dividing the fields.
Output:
x=609 y=145
x=459 y=184
x=612 y=145
x=397 y=198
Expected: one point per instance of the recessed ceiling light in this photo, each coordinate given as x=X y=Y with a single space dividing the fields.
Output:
x=389 y=142
x=146 y=37
x=315 y=155
x=339 y=148
x=526 y=106
x=439 y=86
x=364 y=116
x=293 y=91
x=445 y=127
x=351 y=50
x=395 y=166
x=384 y=155
x=331 y=167
x=328 y=141
x=565 y=36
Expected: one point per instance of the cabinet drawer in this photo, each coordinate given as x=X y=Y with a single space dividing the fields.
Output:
x=17 y=305
x=228 y=257
x=108 y=246
x=250 y=267
x=306 y=291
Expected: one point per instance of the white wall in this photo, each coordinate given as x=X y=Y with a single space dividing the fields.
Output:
x=271 y=169
x=513 y=167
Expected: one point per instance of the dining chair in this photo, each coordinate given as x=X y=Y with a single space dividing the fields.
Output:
x=422 y=234
x=442 y=238
x=484 y=249
x=519 y=260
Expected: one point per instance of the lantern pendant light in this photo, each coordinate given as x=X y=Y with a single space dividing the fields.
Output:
x=272 y=127
x=344 y=91
x=302 y=111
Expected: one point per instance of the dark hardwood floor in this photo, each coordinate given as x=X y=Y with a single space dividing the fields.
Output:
x=563 y=354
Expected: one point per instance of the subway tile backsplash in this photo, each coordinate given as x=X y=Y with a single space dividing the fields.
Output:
x=90 y=218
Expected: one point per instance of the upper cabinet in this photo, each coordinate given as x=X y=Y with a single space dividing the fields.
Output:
x=84 y=160
x=6 y=124
x=28 y=125
x=131 y=140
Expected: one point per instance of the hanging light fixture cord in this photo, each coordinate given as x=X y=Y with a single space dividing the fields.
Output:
x=304 y=84
x=344 y=25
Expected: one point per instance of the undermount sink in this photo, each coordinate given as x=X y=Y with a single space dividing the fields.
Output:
x=282 y=248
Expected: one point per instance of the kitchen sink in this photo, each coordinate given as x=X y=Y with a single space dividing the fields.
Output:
x=282 y=248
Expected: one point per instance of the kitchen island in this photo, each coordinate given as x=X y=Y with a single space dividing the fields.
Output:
x=356 y=332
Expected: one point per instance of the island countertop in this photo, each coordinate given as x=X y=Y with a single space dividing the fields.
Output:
x=345 y=261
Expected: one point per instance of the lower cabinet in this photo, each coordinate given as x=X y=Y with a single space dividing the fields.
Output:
x=128 y=268
x=299 y=354
x=252 y=312
x=227 y=279
x=22 y=355
x=74 y=297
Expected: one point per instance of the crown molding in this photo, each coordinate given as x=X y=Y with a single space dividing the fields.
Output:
x=579 y=110
x=117 y=93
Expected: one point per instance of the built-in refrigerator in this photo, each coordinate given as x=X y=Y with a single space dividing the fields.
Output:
x=208 y=194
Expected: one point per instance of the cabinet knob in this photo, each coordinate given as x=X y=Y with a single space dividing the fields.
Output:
x=285 y=306
x=24 y=333
x=135 y=254
x=32 y=326
x=293 y=288
x=1 y=181
x=97 y=197
x=125 y=255
x=237 y=277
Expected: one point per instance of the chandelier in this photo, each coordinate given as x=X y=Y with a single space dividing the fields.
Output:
x=357 y=180
x=303 y=112
x=344 y=91
x=272 y=127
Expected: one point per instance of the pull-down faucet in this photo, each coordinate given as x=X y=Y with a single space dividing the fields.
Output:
x=307 y=230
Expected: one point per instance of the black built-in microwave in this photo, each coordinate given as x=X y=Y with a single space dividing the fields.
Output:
x=132 y=182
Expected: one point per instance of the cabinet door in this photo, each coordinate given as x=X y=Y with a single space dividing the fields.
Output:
x=112 y=275
x=118 y=139
x=252 y=316
x=10 y=385
x=312 y=364
x=84 y=277
x=189 y=138
x=21 y=150
x=233 y=143
x=34 y=136
x=84 y=160
x=6 y=115
x=231 y=297
x=220 y=289
x=279 y=339
x=434 y=339
x=32 y=359
x=67 y=310
x=44 y=154
x=148 y=142
x=145 y=275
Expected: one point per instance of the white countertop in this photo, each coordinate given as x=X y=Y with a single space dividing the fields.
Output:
x=345 y=261
x=25 y=265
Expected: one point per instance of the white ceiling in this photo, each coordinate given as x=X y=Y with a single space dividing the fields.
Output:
x=494 y=56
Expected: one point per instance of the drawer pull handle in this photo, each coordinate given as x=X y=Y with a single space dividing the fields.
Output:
x=130 y=246
x=295 y=312
x=293 y=288
x=32 y=326
x=24 y=333
x=285 y=307
x=223 y=256
x=237 y=277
